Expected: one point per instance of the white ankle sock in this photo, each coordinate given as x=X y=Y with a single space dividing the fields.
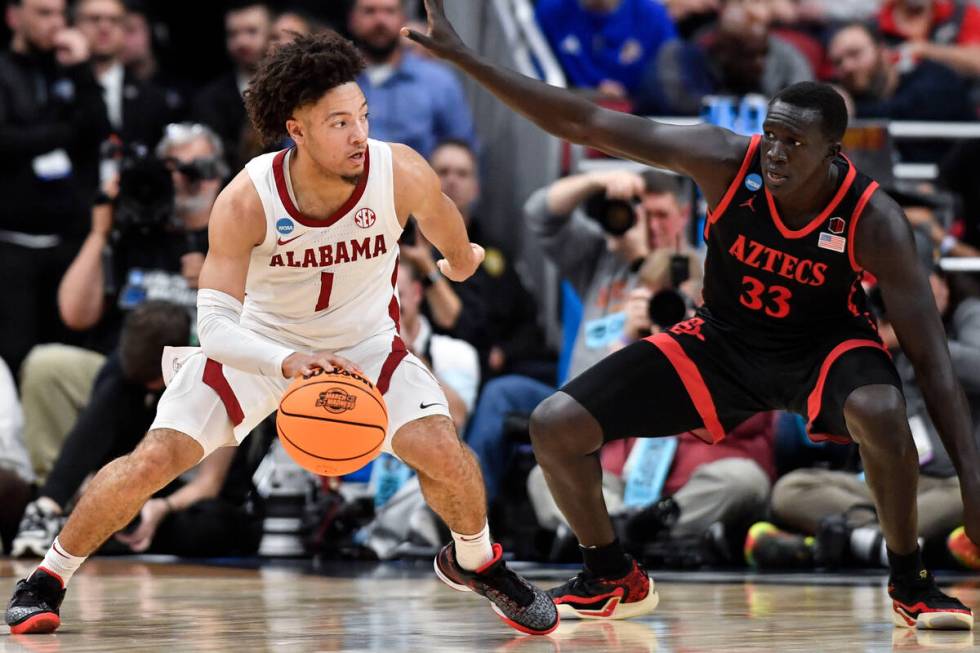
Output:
x=473 y=551
x=60 y=563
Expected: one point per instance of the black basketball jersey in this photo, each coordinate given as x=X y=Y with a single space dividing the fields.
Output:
x=772 y=283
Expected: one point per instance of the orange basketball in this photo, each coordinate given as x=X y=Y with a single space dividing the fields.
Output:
x=332 y=423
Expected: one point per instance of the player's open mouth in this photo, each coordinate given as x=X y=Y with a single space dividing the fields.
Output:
x=357 y=157
x=775 y=178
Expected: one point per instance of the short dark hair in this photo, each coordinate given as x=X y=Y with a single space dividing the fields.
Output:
x=457 y=142
x=234 y=6
x=660 y=183
x=822 y=98
x=297 y=74
x=871 y=30
x=149 y=328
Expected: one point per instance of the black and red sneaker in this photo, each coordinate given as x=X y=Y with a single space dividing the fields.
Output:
x=588 y=596
x=918 y=603
x=35 y=604
x=520 y=604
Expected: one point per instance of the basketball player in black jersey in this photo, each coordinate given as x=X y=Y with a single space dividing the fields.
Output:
x=793 y=229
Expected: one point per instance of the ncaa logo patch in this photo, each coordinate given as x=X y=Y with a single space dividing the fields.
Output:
x=836 y=225
x=285 y=226
x=365 y=218
x=753 y=182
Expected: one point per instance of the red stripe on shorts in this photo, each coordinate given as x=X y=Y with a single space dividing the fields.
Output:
x=815 y=400
x=398 y=352
x=394 y=311
x=694 y=384
x=214 y=376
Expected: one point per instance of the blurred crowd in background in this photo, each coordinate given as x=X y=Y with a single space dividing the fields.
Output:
x=121 y=120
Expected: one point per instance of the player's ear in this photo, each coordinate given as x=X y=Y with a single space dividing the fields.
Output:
x=294 y=128
x=833 y=151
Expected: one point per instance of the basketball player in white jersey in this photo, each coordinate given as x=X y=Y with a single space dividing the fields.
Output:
x=301 y=274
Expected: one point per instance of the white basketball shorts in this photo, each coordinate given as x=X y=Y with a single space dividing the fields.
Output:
x=218 y=406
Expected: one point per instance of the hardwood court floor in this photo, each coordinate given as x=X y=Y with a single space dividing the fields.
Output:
x=119 y=605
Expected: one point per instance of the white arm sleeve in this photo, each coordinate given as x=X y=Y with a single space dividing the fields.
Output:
x=226 y=341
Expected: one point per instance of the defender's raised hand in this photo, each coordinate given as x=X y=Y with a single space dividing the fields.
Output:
x=441 y=39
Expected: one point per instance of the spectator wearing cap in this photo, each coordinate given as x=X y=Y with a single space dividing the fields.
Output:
x=415 y=101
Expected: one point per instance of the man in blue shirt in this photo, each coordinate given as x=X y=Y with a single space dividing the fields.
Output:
x=605 y=44
x=415 y=101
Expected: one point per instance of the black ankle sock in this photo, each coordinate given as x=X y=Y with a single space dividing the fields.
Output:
x=607 y=561
x=906 y=565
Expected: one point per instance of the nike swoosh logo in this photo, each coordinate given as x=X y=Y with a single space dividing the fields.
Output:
x=283 y=242
x=424 y=406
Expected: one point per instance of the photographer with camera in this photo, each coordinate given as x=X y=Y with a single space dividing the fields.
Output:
x=147 y=241
x=597 y=228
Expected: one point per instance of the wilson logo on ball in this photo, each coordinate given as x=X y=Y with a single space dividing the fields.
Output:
x=336 y=400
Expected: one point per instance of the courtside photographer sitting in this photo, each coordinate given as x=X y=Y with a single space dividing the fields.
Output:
x=147 y=241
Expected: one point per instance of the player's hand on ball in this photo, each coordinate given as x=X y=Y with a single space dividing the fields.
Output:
x=301 y=364
x=440 y=39
x=462 y=270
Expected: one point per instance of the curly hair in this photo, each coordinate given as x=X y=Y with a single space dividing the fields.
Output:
x=298 y=74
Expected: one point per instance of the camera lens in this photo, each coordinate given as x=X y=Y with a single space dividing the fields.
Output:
x=615 y=216
x=667 y=308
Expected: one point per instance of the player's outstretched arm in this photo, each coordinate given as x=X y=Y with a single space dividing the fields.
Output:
x=693 y=150
x=886 y=248
x=419 y=193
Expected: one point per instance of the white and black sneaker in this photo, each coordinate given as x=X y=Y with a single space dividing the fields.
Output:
x=38 y=528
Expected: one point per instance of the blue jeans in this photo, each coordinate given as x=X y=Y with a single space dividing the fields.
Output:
x=501 y=397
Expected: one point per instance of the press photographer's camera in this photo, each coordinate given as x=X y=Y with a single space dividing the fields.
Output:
x=145 y=203
x=670 y=305
x=615 y=216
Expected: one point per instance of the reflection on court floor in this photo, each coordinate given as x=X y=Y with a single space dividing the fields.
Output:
x=119 y=605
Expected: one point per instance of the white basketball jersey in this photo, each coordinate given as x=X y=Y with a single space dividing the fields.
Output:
x=327 y=283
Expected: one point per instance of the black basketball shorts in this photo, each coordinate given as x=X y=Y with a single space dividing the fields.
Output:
x=698 y=378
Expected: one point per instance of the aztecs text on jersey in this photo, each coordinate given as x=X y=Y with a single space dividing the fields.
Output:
x=764 y=277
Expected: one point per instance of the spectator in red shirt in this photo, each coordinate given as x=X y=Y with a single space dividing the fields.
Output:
x=943 y=31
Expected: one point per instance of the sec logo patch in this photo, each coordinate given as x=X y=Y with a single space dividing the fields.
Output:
x=365 y=218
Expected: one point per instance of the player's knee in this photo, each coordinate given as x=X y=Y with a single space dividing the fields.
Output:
x=432 y=448
x=874 y=413
x=163 y=455
x=560 y=426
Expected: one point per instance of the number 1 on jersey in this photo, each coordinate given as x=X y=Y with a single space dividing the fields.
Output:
x=326 y=287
